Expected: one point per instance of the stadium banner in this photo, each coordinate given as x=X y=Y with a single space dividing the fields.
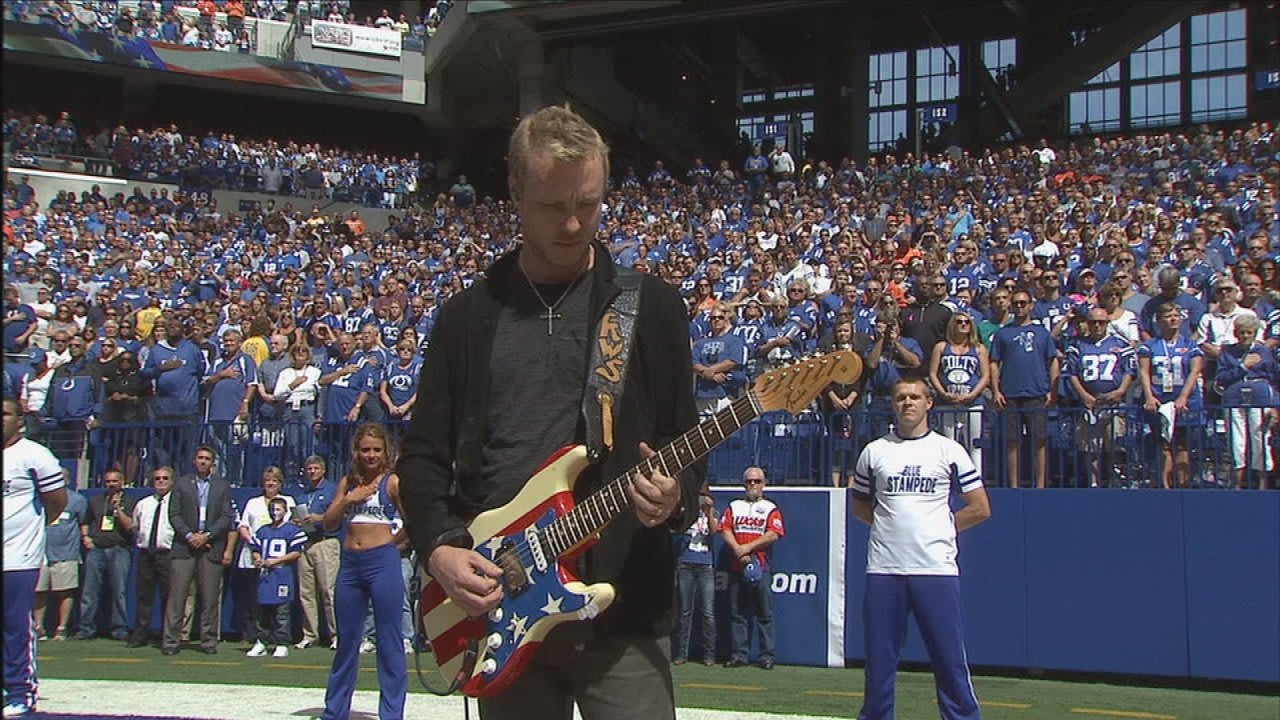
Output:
x=48 y=38
x=355 y=38
x=1084 y=580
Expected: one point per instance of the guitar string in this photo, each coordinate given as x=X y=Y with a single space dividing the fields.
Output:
x=520 y=546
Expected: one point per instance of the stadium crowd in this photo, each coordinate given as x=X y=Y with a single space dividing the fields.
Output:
x=1034 y=287
x=214 y=24
x=218 y=161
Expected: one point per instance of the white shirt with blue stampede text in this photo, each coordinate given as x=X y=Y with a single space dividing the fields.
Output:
x=911 y=481
x=29 y=469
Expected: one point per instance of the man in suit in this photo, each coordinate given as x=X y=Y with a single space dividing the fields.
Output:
x=200 y=513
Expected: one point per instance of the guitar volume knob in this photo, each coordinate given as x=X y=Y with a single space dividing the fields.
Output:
x=496 y=614
x=489 y=666
x=495 y=640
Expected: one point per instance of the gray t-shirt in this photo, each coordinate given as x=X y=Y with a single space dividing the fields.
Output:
x=537 y=381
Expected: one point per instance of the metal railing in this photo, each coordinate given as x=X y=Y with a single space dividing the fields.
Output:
x=1224 y=446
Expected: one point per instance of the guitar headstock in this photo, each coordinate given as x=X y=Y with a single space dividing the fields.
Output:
x=792 y=387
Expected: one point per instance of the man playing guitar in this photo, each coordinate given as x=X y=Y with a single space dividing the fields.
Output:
x=502 y=388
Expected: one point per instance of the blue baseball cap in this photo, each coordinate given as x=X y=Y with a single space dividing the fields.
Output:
x=37 y=356
x=752 y=573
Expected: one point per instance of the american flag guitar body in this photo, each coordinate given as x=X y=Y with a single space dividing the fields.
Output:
x=535 y=537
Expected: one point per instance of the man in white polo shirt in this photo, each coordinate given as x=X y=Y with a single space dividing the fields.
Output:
x=30 y=470
x=902 y=487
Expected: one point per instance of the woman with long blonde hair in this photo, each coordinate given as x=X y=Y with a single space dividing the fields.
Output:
x=366 y=505
x=959 y=372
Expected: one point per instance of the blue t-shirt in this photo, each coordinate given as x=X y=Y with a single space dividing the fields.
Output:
x=276 y=585
x=227 y=394
x=16 y=321
x=694 y=545
x=318 y=501
x=1192 y=310
x=1024 y=353
x=711 y=350
x=62 y=536
x=402 y=382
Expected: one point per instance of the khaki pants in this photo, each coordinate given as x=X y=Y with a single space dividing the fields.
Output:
x=317 y=575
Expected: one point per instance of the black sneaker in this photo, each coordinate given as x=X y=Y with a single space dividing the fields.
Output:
x=766 y=664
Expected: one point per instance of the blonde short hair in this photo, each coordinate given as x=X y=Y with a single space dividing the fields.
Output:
x=558 y=131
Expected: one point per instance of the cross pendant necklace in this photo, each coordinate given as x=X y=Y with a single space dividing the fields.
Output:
x=550 y=314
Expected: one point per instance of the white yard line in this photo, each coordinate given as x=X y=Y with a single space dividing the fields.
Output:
x=255 y=702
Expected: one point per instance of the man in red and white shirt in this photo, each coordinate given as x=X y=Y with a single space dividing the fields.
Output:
x=750 y=526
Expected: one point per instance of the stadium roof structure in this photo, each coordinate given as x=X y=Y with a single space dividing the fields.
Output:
x=669 y=74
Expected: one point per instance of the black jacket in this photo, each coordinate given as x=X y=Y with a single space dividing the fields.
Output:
x=441 y=485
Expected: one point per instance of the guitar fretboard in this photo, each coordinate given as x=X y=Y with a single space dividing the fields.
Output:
x=595 y=512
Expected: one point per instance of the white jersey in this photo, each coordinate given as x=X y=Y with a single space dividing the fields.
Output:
x=910 y=482
x=29 y=469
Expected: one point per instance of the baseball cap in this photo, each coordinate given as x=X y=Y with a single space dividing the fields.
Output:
x=1088 y=271
x=751 y=572
x=37 y=355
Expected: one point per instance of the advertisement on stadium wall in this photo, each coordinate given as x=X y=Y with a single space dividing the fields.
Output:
x=48 y=38
x=355 y=38
x=807 y=596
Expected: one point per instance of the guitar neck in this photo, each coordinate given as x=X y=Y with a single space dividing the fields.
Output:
x=591 y=515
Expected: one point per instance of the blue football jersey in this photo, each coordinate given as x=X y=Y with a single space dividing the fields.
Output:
x=1100 y=366
x=276 y=585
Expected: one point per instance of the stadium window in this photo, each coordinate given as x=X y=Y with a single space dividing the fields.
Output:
x=1000 y=56
x=793 y=92
x=884 y=129
x=937 y=74
x=753 y=96
x=1160 y=57
x=1110 y=75
x=753 y=126
x=1155 y=104
x=1218 y=41
x=887 y=76
x=1094 y=110
x=1218 y=97
x=806 y=121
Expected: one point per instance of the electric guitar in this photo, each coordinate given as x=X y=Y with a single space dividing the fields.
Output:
x=535 y=537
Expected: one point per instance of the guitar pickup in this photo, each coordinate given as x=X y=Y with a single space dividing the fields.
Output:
x=514 y=575
x=535 y=549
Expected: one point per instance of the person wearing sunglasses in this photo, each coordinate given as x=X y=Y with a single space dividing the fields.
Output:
x=960 y=372
x=1100 y=368
x=719 y=363
x=926 y=321
x=1024 y=380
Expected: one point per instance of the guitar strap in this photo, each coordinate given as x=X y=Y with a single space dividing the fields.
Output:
x=609 y=359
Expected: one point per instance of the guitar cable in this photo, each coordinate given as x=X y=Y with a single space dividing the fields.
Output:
x=415 y=597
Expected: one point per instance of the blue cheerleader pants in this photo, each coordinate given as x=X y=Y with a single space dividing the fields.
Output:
x=935 y=602
x=366 y=575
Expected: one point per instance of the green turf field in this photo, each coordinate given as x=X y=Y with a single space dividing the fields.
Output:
x=782 y=691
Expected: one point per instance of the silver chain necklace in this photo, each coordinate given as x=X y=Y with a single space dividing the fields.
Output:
x=550 y=313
